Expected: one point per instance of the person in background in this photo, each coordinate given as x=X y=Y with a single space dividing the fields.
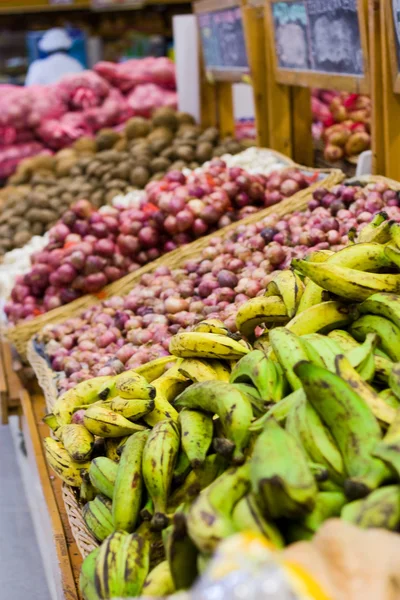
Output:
x=55 y=43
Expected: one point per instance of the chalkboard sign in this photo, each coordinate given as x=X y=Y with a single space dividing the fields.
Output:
x=393 y=27
x=222 y=39
x=291 y=35
x=319 y=42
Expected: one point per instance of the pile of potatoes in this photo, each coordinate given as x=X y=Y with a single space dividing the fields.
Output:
x=99 y=169
x=350 y=135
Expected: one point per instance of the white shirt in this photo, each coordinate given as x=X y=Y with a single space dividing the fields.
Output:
x=52 y=69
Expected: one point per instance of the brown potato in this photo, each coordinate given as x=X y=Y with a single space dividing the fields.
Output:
x=210 y=134
x=121 y=145
x=357 y=143
x=165 y=117
x=64 y=166
x=84 y=144
x=21 y=238
x=204 y=151
x=161 y=133
x=110 y=195
x=169 y=153
x=159 y=164
x=188 y=132
x=106 y=139
x=185 y=153
x=37 y=228
x=158 y=145
x=137 y=127
x=139 y=177
x=185 y=118
x=333 y=153
x=178 y=165
x=122 y=171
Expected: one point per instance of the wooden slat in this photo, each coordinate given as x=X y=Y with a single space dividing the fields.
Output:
x=14 y=385
x=375 y=53
x=278 y=98
x=253 y=22
x=225 y=108
x=3 y=390
x=303 y=150
x=390 y=104
x=67 y=559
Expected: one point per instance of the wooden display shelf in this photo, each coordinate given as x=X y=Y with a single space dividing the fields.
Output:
x=10 y=384
x=60 y=553
x=34 y=6
x=27 y=6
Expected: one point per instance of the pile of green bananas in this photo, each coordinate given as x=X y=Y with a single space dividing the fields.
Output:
x=274 y=432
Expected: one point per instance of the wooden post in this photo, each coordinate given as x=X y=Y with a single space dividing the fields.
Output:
x=390 y=102
x=303 y=149
x=64 y=559
x=208 y=99
x=278 y=100
x=225 y=110
x=253 y=22
x=3 y=390
x=376 y=68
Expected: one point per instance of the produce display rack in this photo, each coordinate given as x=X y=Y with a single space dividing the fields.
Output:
x=349 y=168
x=61 y=557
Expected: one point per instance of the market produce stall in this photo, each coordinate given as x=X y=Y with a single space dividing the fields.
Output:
x=226 y=275
x=60 y=553
x=202 y=339
x=210 y=372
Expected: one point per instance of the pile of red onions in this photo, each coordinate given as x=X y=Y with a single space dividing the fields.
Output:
x=90 y=248
x=122 y=333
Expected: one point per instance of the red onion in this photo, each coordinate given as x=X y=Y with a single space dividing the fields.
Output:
x=104 y=247
x=66 y=273
x=95 y=282
x=59 y=232
x=106 y=339
x=99 y=230
x=68 y=295
x=148 y=237
x=82 y=208
x=81 y=228
x=94 y=264
x=128 y=244
x=176 y=176
x=170 y=225
x=73 y=238
x=227 y=279
x=77 y=259
x=69 y=218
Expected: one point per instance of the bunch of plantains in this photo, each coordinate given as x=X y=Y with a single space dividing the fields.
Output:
x=273 y=430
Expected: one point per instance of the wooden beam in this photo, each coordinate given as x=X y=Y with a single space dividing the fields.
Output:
x=376 y=68
x=65 y=562
x=278 y=98
x=3 y=390
x=253 y=23
x=226 y=118
x=390 y=105
x=303 y=149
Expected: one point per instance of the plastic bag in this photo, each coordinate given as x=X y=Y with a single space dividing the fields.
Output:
x=247 y=567
x=134 y=72
x=114 y=110
x=83 y=90
x=64 y=131
x=146 y=98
